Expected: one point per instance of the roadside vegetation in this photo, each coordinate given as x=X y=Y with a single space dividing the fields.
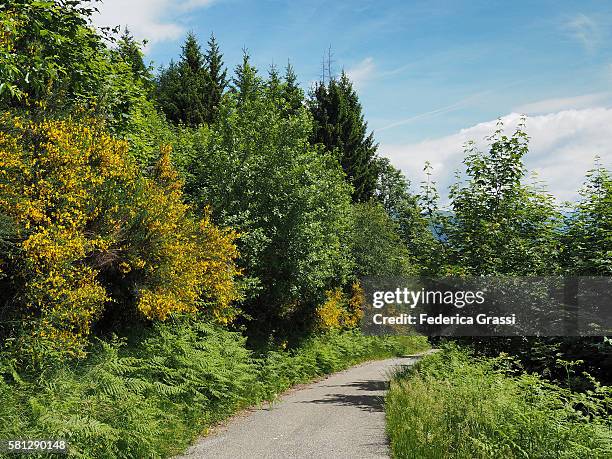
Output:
x=151 y=395
x=544 y=397
x=454 y=405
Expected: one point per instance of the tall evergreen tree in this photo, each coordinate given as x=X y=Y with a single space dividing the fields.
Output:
x=340 y=126
x=292 y=94
x=130 y=51
x=192 y=56
x=217 y=79
x=246 y=83
x=181 y=88
x=274 y=86
x=274 y=81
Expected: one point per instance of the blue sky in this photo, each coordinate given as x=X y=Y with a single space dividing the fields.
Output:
x=429 y=73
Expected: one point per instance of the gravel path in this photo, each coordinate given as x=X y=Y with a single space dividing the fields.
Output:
x=341 y=416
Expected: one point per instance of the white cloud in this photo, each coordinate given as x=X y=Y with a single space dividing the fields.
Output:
x=147 y=19
x=361 y=73
x=585 y=30
x=600 y=99
x=562 y=149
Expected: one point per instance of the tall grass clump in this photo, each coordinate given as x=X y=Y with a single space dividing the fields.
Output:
x=451 y=405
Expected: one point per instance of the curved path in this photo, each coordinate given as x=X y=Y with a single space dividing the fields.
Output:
x=341 y=416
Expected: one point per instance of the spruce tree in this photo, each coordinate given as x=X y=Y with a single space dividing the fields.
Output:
x=217 y=79
x=274 y=81
x=292 y=94
x=181 y=88
x=340 y=126
x=274 y=87
x=168 y=86
x=246 y=83
x=285 y=92
x=192 y=54
x=129 y=50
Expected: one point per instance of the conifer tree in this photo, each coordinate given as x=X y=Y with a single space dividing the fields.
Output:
x=192 y=54
x=274 y=86
x=217 y=79
x=130 y=51
x=340 y=126
x=181 y=88
x=246 y=83
x=292 y=94
x=274 y=81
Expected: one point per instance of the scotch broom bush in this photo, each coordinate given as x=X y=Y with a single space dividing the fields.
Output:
x=341 y=311
x=93 y=238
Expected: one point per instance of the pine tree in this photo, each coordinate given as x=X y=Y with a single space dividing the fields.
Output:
x=340 y=126
x=217 y=79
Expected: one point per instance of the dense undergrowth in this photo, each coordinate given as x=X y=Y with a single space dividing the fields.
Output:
x=152 y=397
x=453 y=405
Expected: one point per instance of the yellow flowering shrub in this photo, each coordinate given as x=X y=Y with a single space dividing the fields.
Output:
x=96 y=236
x=341 y=311
x=355 y=306
x=329 y=314
x=195 y=255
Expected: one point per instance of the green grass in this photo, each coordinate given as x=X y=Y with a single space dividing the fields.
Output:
x=152 y=398
x=451 y=405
